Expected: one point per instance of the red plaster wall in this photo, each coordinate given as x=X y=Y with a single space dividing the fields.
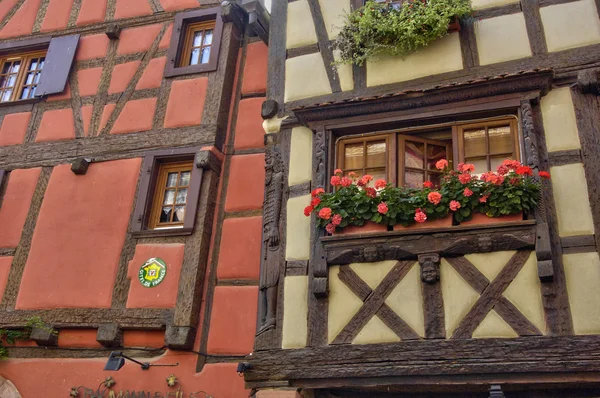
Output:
x=6 y=6
x=106 y=112
x=22 y=22
x=66 y=94
x=152 y=76
x=239 y=257
x=14 y=128
x=91 y=11
x=57 y=376
x=89 y=80
x=134 y=40
x=92 y=47
x=165 y=294
x=248 y=131
x=172 y=5
x=143 y=338
x=73 y=338
x=186 y=102
x=5 y=263
x=121 y=76
x=137 y=115
x=56 y=125
x=245 y=190
x=79 y=235
x=255 y=70
x=132 y=8
x=233 y=320
x=57 y=15
x=15 y=205
x=166 y=39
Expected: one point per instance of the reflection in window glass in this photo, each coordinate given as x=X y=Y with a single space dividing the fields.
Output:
x=198 y=43
x=172 y=194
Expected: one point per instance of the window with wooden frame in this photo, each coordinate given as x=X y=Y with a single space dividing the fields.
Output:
x=20 y=75
x=198 y=43
x=407 y=157
x=171 y=195
x=168 y=194
x=195 y=42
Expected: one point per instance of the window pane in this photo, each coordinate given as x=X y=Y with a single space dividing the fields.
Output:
x=182 y=196
x=6 y=95
x=413 y=179
x=208 y=36
x=376 y=154
x=172 y=179
x=37 y=78
x=197 y=40
x=179 y=214
x=12 y=79
x=195 y=58
x=500 y=139
x=184 y=178
x=34 y=64
x=25 y=93
x=434 y=178
x=414 y=155
x=435 y=153
x=497 y=161
x=6 y=68
x=29 y=79
x=165 y=214
x=353 y=156
x=169 y=197
x=475 y=143
x=205 y=55
x=15 y=67
x=4 y=81
x=480 y=165
x=42 y=62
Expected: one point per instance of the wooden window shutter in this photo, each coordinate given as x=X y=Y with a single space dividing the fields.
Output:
x=58 y=64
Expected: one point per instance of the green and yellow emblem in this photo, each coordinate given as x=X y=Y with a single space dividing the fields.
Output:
x=153 y=272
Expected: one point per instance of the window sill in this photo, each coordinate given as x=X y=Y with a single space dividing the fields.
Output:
x=446 y=241
x=158 y=233
x=29 y=101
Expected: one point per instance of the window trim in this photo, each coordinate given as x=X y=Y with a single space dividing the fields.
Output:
x=176 y=47
x=395 y=136
x=158 y=195
x=147 y=189
x=21 y=75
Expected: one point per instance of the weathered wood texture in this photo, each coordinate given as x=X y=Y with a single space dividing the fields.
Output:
x=374 y=304
x=535 y=28
x=130 y=318
x=452 y=241
x=105 y=147
x=325 y=45
x=277 y=53
x=503 y=357
x=491 y=297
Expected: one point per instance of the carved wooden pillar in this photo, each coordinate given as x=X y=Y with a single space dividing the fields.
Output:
x=433 y=304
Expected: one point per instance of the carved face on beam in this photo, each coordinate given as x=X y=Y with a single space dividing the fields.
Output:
x=429 y=272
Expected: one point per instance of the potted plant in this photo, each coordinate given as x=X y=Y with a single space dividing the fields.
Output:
x=354 y=206
x=376 y=28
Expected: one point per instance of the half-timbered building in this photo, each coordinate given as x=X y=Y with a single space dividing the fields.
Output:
x=131 y=175
x=507 y=309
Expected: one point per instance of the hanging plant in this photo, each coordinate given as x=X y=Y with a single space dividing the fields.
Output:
x=377 y=29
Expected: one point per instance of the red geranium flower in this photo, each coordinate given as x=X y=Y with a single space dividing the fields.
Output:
x=420 y=217
x=382 y=208
x=352 y=175
x=502 y=170
x=524 y=170
x=371 y=192
x=325 y=213
x=483 y=199
x=434 y=197
x=317 y=192
x=330 y=228
x=511 y=164
x=336 y=220
x=338 y=172
x=315 y=202
x=464 y=178
x=441 y=164
x=346 y=182
x=466 y=168
x=336 y=181
x=308 y=210
x=366 y=179
x=454 y=205
x=380 y=184
x=467 y=192
x=544 y=174
x=428 y=184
